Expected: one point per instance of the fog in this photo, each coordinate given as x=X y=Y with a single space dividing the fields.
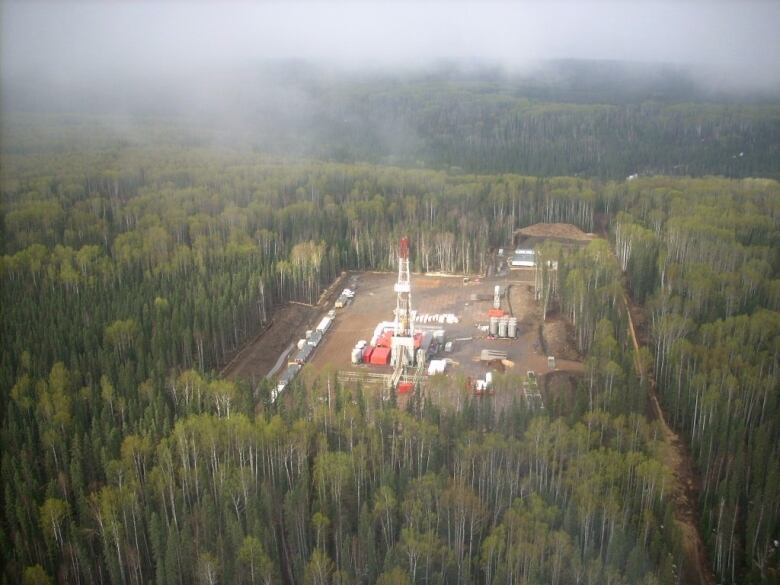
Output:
x=102 y=38
x=206 y=57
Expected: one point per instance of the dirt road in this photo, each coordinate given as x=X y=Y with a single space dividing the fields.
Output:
x=698 y=568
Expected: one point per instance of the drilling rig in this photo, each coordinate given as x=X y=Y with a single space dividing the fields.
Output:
x=403 y=341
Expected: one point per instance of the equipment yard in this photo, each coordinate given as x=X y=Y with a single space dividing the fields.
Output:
x=452 y=313
x=440 y=295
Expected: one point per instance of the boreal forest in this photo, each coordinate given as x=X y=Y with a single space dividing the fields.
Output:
x=135 y=264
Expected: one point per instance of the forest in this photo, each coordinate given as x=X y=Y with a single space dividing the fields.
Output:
x=132 y=269
x=570 y=118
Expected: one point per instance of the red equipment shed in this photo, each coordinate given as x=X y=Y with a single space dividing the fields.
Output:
x=405 y=387
x=380 y=356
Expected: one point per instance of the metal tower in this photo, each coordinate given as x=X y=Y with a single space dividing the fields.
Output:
x=402 y=344
x=404 y=323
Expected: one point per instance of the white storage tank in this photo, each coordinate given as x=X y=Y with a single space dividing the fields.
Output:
x=503 y=326
x=493 y=328
x=512 y=327
x=357 y=355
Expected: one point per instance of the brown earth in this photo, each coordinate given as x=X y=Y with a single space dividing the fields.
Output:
x=697 y=570
x=558 y=337
x=258 y=356
x=564 y=231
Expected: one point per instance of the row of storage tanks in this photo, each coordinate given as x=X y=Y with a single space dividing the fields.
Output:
x=503 y=326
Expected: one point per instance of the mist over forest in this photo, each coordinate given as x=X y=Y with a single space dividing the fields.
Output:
x=476 y=117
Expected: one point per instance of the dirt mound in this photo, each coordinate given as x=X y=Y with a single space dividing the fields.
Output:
x=559 y=339
x=563 y=231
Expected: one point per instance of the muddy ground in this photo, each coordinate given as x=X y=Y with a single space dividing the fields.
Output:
x=289 y=322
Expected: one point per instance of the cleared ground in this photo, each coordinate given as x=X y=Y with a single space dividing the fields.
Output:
x=432 y=294
x=375 y=301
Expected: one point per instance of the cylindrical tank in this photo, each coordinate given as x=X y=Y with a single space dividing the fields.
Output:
x=357 y=355
x=493 y=330
x=512 y=327
x=503 y=325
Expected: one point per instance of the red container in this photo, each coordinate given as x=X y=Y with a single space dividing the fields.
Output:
x=380 y=356
x=405 y=387
x=385 y=340
x=495 y=313
x=367 y=351
x=417 y=340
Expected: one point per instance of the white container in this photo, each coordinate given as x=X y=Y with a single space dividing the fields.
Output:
x=436 y=367
x=301 y=343
x=309 y=332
